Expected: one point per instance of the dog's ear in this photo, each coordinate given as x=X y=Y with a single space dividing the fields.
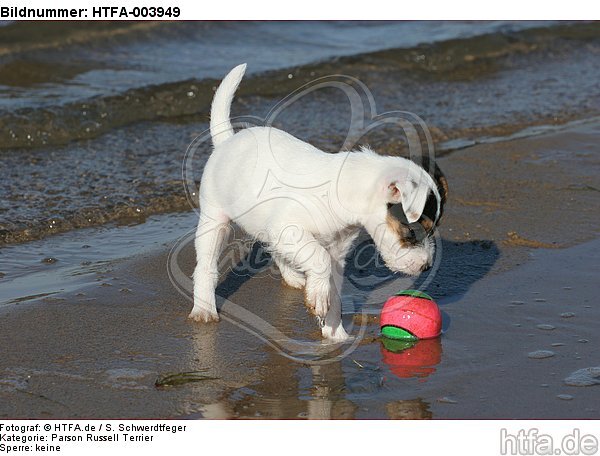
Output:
x=394 y=195
x=410 y=194
x=438 y=176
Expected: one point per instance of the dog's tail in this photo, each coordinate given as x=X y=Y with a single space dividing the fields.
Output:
x=220 y=125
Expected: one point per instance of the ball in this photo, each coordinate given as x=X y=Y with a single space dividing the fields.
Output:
x=410 y=315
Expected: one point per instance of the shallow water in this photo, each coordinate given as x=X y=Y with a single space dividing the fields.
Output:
x=122 y=74
x=58 y=63
x=81 y=258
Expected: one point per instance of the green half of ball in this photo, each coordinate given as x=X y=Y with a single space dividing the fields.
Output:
x=414 y=293
x=396 y=333
x=397 y=346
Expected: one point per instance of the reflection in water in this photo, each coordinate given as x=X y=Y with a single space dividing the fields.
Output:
x=411 y=359
x=289 y=390
x=328 y=401
x=284 y=388
x=416 y=409
x=281 y=394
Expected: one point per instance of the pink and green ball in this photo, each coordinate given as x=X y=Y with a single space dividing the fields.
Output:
x=410 y=315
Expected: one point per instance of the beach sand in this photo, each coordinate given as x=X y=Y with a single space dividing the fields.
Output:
x=517 y=275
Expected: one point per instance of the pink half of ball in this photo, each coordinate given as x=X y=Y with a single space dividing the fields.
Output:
x=421 y=317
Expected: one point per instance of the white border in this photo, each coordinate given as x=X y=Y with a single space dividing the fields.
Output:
x=346 y=10
x=302 y=438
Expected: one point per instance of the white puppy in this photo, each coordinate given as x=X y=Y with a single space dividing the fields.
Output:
x=308 y=207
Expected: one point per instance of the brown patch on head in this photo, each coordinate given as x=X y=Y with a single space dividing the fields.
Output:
x=402 y=231
x=409 y=234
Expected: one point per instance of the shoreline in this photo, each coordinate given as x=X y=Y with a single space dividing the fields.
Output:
x=178 y=203
x=451 y=56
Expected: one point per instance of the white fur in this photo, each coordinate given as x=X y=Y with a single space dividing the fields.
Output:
x=220 y=126
x=307 y=205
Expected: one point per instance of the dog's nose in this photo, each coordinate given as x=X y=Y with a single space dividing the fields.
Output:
x=425 y=267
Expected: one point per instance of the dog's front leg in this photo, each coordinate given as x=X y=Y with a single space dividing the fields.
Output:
x=290 y=276
x=303 y=252
x=210 y=238
x=333 y=328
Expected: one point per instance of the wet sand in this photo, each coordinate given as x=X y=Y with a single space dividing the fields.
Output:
x=517 y=276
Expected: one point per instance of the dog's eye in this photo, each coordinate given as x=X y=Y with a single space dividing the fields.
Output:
x=416 y=233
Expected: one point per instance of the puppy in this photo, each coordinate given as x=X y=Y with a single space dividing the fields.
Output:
x=308 y=207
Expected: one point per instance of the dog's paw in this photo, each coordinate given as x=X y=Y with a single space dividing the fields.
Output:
x=318 y=295
x=203 y=316
x=335 y=335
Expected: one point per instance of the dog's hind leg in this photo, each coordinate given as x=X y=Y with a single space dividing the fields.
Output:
x=210 y=238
